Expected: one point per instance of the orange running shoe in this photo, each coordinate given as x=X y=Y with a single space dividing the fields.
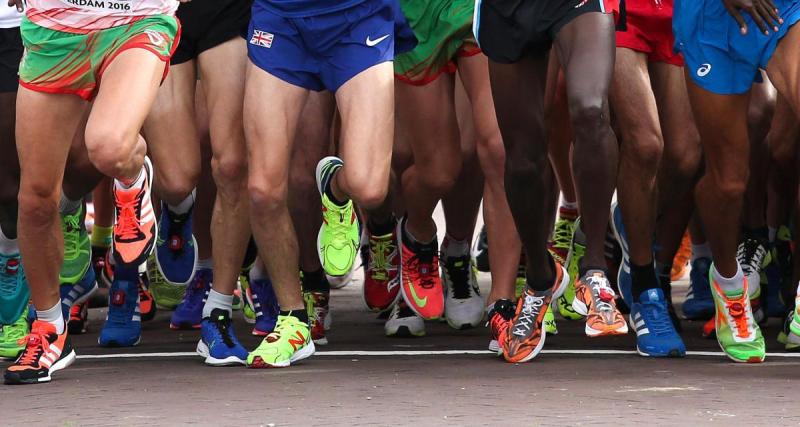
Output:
x=45 y=353
x=419 y=275
x=499 y=320
x=524 y=337
x=595 y=299
x=682 y=258
x=135 y=226
x=147 y=305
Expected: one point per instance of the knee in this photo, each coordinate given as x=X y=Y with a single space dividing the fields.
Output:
x=229 y=170
x=642 y=148
x=442 y=178
x=267 y=195
x=109 y=149
x=588 y=114
x=731 y=186
x=38 y=204
x=525 y=169
x=492 y=156
x=175 y=183
x=366 y=190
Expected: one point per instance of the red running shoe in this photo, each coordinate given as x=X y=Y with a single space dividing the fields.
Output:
x=381 y=280
x=419 y=275
x=135 y=226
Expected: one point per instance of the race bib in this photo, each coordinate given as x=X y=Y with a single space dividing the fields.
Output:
x=103 y=7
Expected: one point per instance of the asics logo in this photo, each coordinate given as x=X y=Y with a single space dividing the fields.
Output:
x=581 y=3
x=375 y=42
x=420 y=302
x=704 y=70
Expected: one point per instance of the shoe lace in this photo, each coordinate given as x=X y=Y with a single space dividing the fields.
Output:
x=34 y=343
x=380 y=249
x=604 y=294
x=70 y=225
x=422 y=269
x=127 y=226
x=224 y=329
x=750 y=254
x=8 y=277
x=657 y=318
x=498 y=325
x=531 y=307
x=736 y=310
x=337 y=224
x=562 y=233
x=458 y=270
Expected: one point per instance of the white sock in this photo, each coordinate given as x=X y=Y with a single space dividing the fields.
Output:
x=138 y=182
x=217 y=300
x=702 y=250
x=184 y=206
x=205 y=263
x=773 y=233
x=258 y=272
x=452 y=248
x=733 y=284
x=52 y=316
x=67 y=206
x=569 y=205
x=8 y=246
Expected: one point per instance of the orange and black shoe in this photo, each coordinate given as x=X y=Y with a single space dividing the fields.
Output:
x=78 y=318
x=421 y=285
x=135 y=226
x=500 y=317
x=147 y=305
x=595 y=299
x=524 y=337
x=45 y=353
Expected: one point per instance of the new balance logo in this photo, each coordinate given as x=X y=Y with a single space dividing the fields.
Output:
x=262 y=38
x=297 y=343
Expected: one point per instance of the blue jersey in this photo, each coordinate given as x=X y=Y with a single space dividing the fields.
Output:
x=306 y=8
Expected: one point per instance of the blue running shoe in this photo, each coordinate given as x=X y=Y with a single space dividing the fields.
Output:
x=218 y=343
x=772 y=277
x=14 y=292
x=265 y=304
x=624 y=281
x=655 y=333
x=699 y=304
x=189 y=313
x=176 y=248
x=77 y=293
x=123 y=327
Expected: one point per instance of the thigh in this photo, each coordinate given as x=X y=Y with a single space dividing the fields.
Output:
x=586 y=49
x=681 y=140
x=631 y=96
x=783 y=68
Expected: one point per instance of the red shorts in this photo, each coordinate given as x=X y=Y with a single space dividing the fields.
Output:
x=649 y=30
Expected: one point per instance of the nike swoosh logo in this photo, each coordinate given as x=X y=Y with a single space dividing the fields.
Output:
x=372 y=43
x=421 y=302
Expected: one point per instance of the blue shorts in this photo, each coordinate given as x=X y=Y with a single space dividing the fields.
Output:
x=718 y=57
x=324 y=51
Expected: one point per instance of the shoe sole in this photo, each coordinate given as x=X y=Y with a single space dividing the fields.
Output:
x=115 y=344
x=405 y=332
x=194 y=270
x=202 y=350
x=671 y=354
x=62 y=363
x=303 y=353
x=594 y=333
x=184 y=327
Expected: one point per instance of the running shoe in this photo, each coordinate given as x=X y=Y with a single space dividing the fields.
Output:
x=480 y=251
x=135 y=225
x=12 y=336
x=463 y=303
x=77 y=293
x=218 y=343
x=265 y=304
x=655 y=334
x=46 y=352
x=318 y=308
x=381 y=275
x=289 y=343
x=737 y=331
x=710 y=328
x=99 y=259
x=521 y=281
x=189 y=313
x=681 y=259
x=789 y=335
x=783 y=255
x=500 y=317
x=176 y=247
x=576 y=252
x=561 y=240
x=165 y=294
x=525 y=336
x=14 y=291
x=123 y=326
x=753 y=256
x=338 y=282
x=595 y=299
x=106 y=277
x=77 y=247
x=248 y=311
x=699 y=304
x=147 y=305
x=338 y=238
x=624 y=279
x=403 y=322
x=550 y=321
x=78 y=319
x=421 y=285
x=773 y=278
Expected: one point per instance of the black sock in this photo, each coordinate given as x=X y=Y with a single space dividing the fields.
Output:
x=381 y=229
x=542 y=284
x=760 y=233
x=415 y=244
x=643 y=278
x=300 y=314
x=315 y=281
x=329 y=190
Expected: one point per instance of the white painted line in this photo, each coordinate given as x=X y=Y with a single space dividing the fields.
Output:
x=383 y=353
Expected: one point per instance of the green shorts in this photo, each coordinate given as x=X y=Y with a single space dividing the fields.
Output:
x=61 y=62
x=444 y=31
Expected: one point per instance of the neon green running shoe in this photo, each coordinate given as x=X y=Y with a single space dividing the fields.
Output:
x=288 y=343
x=166 y=295
x=11 y=336
x=521 y=282
x=550 y=322
x=790 y=334
x=248 y=311
x=338 y=238
x=562 y=239
x=564 y=302
x=737 y=331
x=77 y=247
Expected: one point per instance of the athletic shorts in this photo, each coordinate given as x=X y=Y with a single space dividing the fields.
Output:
x=507 y=30
x=649 y=31
x=718 y=57
x=10 y=56
x=209 y=23
x=444 y=31
x=60 y=62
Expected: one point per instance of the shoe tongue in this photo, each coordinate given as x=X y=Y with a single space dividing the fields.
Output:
x=651 y=295
x=219 y=314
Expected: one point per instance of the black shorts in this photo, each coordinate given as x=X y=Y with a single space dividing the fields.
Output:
x=507 y=30
x=209 y=23
x=10 y=56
